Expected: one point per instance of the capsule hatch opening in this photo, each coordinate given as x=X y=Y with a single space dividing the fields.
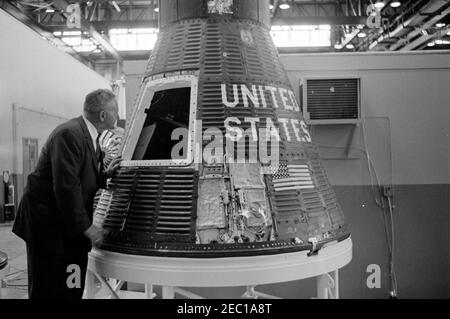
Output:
x=162 y=130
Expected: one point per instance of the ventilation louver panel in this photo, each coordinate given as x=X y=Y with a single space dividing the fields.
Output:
x=150 y=204
x=333 y=99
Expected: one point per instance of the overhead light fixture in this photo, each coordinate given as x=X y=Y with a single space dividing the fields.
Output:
x=379 y=4
x=395 y=4
x=116 y=6
x=350 y=46
x=440 y=25
x=284 y=6
x=50 y=10
x=156 y=9
x=338 y=46
x=362 y=35
x=439 y=42
x=431 y=44
x=448 y=33
x=270 y=6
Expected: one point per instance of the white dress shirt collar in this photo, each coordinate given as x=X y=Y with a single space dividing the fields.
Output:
x=92 y=131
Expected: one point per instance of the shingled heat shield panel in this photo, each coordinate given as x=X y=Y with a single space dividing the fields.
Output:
x=333 y=99
x=149 y=205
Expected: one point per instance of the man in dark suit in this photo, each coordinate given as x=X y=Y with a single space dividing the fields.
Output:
x=55 y=214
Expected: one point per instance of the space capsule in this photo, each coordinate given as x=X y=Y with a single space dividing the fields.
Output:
x=217 y=159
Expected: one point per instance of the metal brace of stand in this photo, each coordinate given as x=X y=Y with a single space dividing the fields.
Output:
x=4 y=269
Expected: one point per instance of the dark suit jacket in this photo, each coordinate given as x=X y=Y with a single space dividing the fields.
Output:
x=57 y=204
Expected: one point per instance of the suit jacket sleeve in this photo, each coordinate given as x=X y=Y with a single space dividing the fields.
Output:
x=67 y=156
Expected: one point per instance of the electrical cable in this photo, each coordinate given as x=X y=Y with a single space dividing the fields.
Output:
x=9 y=285
x=14 y=273
x=394 y=276
x=380 y=203
x=390 y=239
x=353 y=9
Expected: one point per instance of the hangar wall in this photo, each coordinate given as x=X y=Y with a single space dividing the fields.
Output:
x=406 y=120
x=46 y=85
x=406 y=133
x=404 y=104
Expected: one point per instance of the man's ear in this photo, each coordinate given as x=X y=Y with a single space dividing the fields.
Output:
x=102 y=116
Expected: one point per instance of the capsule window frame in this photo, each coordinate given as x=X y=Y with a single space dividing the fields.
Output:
x=152 y=86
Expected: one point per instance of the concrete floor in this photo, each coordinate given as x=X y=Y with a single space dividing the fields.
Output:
x=15 y=284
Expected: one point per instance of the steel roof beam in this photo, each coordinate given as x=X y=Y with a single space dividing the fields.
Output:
x=106 y=25
x=87 y=26
x=423 y=38
x=415 y=18
x=31 y=23
x=117 y=24
x=331 y=20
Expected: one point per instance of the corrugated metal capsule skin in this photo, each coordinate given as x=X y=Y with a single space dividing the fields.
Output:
x=224 y=49
x=173 y=11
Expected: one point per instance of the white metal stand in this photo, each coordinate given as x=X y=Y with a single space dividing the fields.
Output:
x=3 y=273
x=171 y=273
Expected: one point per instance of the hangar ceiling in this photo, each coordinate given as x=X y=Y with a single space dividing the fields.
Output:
x=403 y=25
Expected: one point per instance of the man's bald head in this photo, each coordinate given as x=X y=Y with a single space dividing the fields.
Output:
x=101 y=109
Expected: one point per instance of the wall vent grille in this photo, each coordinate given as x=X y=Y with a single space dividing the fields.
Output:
x=332 y=100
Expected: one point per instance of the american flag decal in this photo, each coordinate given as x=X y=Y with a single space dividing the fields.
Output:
x=290 y=176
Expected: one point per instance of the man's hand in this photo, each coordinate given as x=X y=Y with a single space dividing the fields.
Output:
x=113 y=167
x=95 y=234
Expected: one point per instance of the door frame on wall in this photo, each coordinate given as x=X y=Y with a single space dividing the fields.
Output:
x=29 y=162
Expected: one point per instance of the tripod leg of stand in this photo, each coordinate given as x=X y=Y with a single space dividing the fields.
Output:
x=89 y=292
x=149 y=291
x=328 y=286
x=168 y=292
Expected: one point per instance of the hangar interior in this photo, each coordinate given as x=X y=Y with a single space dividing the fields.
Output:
x=383 y=140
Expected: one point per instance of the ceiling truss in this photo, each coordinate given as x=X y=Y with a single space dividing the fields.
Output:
x=409 y=27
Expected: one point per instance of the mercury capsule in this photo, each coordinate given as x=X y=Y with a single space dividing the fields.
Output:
x=217 y=158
